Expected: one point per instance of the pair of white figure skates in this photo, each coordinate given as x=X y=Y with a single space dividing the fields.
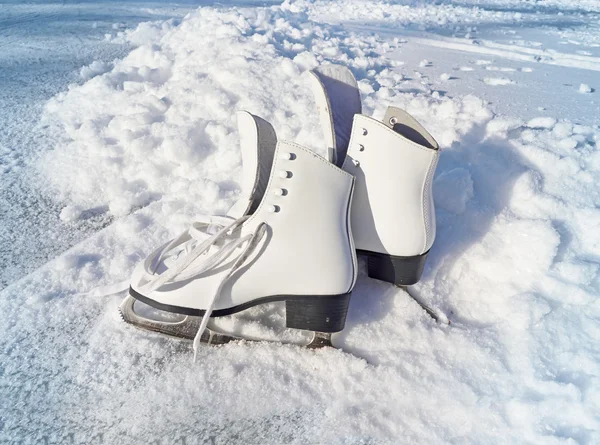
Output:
x=294 y=234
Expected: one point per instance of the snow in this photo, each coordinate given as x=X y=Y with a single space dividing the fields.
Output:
x=453 y=189
x=95 y=68
x=585 y=88
x=542 y=122
x=144 y=142
x=45 y=46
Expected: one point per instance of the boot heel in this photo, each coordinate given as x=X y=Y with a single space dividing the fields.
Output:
x=398 y=270
x=317 y=313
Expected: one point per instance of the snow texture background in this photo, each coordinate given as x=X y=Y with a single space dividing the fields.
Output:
x=143 y=138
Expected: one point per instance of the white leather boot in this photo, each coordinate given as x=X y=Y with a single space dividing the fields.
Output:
x=393 y=161
x=288 y=240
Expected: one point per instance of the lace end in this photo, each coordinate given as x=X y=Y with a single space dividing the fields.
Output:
x=195 y=347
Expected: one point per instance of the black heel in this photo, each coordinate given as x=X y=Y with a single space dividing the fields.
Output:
x=398 y=270
x=317 y=313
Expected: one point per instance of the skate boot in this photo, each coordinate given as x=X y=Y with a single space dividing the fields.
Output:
x=288 y=239
x=393 y=161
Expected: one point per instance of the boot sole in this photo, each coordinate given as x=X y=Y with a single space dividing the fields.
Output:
x=321 y=313
x=398 y=270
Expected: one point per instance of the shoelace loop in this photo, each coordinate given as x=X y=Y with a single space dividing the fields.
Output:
x=193 y=243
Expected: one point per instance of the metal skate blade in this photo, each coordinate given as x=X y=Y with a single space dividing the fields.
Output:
x=320 y=340
x=185 y=327
x=437 y=315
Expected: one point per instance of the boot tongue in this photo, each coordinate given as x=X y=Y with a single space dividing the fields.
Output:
x=257 y=142
x=338 y=100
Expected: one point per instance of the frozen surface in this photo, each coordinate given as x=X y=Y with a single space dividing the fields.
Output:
x=43 y=46
x=148 y=141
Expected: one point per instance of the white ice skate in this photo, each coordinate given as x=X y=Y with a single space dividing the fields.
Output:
x=287 y=239
x=394 y=160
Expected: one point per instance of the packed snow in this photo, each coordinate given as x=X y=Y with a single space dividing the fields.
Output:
x=144 y=142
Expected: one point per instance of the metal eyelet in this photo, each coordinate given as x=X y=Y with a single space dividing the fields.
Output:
x=287 y=156
x=280 y=192
x=284 y=174
x=356 y=163
x=273 y=209
x=393 y=120
x=361 y=147
x=365 y=132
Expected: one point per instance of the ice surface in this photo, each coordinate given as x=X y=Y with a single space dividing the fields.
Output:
x=150 y=139
x=45 y=46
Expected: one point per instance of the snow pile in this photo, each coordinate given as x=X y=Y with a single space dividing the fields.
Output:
x=515 y=265
x=403 y=13
x=162 y=122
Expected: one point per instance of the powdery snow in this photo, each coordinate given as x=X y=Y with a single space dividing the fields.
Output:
x=152 y=142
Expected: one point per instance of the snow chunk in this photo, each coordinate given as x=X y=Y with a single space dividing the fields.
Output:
x=563 y=130
x=145 y=33
x=542 y=122
x=495 y=81
x=501 y=126
x=95 y=68
x=567 y=144
x=585 y=88
x=444 y=77
x=71 y=213
x=306 y=61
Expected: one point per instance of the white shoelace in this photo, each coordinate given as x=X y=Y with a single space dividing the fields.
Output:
x=192 y=244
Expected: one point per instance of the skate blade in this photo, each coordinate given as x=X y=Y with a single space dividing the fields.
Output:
x=437 y=315
x=187 y=327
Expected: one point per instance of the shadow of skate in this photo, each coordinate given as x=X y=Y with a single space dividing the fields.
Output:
x=493 y=164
